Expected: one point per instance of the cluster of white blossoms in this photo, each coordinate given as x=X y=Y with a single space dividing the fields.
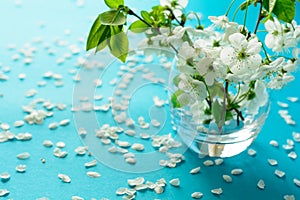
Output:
x=226 y=52
x=222 y=52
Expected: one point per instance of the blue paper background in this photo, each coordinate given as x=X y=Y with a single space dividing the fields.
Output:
x=20 y=25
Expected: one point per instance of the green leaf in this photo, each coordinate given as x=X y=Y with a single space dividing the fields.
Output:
x=112 y=17
x=207 y=121
x=269 y=5
x=272 y=4
x=246 y=4
x=285 y=10
x=229 y=115
x=216 y=90
x=106 y=36
x=251 y=95
x=114 y=3
x=118 y=43
x=207 y=111
x=176 y=80
x=218 y=114
x=101 y=46
x=233 y=106
x=93 y=37
x=138 y=27
x=174 y=99
x=103 y=34
x=146 y=16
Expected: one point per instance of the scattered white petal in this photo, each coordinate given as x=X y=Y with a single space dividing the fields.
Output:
x=251 y=152
x=59 y=153
x=93 y=174
x=129 y=155
x=279 y=173
x=272 y=162
x=19 y=123
x=287 y=147
x=136 y=181
x=48 y=143
x=175 y=182
x=283 y=105
x=60 y=144
x=144 y=136
x=121 y=191
x=64 y=122
x=3 y=192
x=22 y=76
x=219 y=161
x=217 y=191
x=274 y=143
x=208 y=163
x=158 y=190
x=112 y=149
x=296 y=136
x=261 y=184
x=31 y=93
x=131 y=160
x=64 y=178
x=4 y=176
x=155 y=123
x=130 y=132
x=297 y=182
x=90 y=164
x=196 y=195
x=23 y=156
x=227 y=178
x=137 y=147
x=236 y=171
x=81 y=150
x=123 y=143
x=158 y=102
x=21 y=168
x=53 y=126
x=289 y=197
x=141 y=187
x=82 y=132
x=24 y=136
x=77 y=198
x=4 y=126
x=292 y=155
x=290 y=142
x=292 y=99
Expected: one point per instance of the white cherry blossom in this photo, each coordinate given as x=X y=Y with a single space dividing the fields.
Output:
x=242 y=56
x=177 y=3
x=177 y=34
x=280 y=37
x=221 y=21
x=261 y=98
x=206 y=69
x=278 y=82
x=186 y=51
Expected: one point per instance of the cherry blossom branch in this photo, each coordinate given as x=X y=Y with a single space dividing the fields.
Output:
x=260 y=16
x=229 y=7
x=174 y=17
x=130 y=12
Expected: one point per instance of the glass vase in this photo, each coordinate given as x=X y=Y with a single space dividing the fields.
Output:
x=207 y=136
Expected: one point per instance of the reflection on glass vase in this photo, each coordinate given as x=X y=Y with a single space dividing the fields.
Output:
x=219 y=120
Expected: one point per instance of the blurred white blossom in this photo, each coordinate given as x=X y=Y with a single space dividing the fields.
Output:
x=242 y=56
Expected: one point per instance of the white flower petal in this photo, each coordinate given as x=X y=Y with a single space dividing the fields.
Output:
x=227 y=55
x=209 y=78
x=254 y=47
x=238 y=41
